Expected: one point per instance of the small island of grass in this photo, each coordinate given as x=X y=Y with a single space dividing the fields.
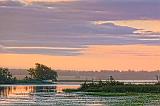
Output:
x=115 y=88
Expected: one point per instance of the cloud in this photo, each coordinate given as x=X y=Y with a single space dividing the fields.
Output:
x=68 y=28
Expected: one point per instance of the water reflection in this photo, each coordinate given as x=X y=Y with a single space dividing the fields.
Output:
x=7 y=90
x=50 y=95
x=53 y=95
x=33 y=94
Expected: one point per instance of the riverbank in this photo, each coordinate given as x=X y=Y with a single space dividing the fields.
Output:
x=115 y=88
x=25 y=82
x=121 y=94
x=135 y=99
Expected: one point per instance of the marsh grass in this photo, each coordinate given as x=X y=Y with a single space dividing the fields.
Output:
x=122 y=94
x=130 y=99
x=118 y=87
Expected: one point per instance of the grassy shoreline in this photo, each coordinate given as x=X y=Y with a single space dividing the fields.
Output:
x=114 y=88
x=25 y=82
x=111 y=94
x=126 y=99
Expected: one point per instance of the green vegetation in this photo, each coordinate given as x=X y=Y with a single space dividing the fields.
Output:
x=120 y=94
x=141 y=99
x=6 y=77
x=39 y=75
x=112 y=86
x=118 y=87
x=29 y=81
x=111 y=94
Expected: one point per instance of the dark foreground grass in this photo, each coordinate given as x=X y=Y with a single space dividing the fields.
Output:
x=127 y=99
x=111 y=94
x=118 y=87
x=143 y=99
x=119 y=94
x=102 y=88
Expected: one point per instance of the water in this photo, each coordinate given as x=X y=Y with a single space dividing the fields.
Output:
x=53 y=95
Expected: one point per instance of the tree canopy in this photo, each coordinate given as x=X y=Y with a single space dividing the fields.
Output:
x=42 y=72
x=6 y=77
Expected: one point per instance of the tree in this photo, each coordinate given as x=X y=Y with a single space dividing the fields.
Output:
x=111 y=78
x=42 y=72
x=6 y=77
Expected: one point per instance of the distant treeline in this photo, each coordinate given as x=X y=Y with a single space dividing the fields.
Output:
x=104 y=74
x=98 y=75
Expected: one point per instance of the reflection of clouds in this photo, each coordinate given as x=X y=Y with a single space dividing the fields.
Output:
x=68 y=28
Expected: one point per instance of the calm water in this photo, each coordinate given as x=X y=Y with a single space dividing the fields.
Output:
x=53 y=95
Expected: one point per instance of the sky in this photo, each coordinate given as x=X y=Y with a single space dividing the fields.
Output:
x=80 y=34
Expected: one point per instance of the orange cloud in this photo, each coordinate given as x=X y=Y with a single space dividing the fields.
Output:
x=123 y=57
x=143 y=26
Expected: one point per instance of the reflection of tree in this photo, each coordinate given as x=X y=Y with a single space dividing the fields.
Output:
x=45 y=89
x=5 y=91
x=26 y=90
x=14 y=90
x=1 y=90
x=6 y=77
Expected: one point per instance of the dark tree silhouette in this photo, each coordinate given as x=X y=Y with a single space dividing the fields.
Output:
x=111 y=78
x=6 y=77
x=42 y=72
